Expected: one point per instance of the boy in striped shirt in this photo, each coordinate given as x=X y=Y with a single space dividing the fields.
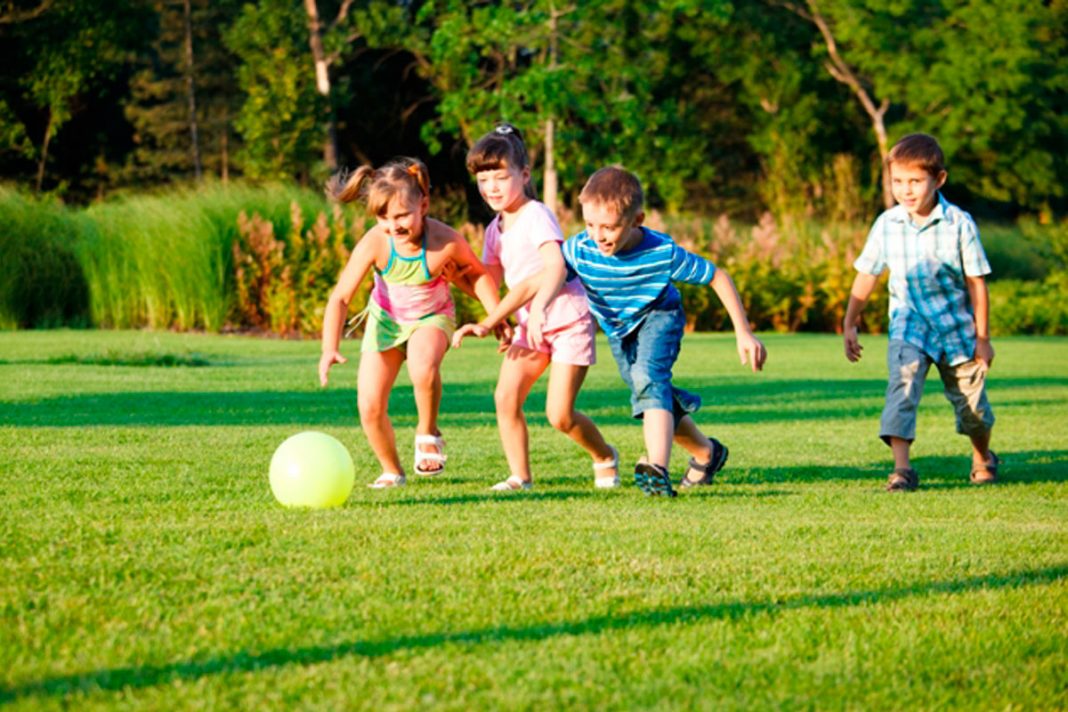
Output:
x=628 y=271
x=939 y=308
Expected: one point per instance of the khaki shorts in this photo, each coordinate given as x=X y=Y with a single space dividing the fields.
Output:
x=964 y=384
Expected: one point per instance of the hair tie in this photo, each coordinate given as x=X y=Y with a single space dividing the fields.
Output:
x=504 y=130
x=413 y=170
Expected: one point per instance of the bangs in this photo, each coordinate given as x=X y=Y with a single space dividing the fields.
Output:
x=492 y=153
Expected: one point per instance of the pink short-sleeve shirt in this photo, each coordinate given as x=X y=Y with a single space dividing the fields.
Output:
x=517 y=251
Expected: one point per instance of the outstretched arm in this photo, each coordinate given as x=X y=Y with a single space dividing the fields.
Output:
x=750 y=349
x=863 y=286
x=980 y=296
x=337 y=306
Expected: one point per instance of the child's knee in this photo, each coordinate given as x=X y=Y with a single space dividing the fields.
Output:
x=563 y=419
x=423 y=376
x=371 y=409
x=506 y=399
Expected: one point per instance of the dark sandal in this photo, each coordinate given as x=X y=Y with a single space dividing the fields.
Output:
x=902 y=479
x=987 y=473
x=653 y=480
x=709 y=469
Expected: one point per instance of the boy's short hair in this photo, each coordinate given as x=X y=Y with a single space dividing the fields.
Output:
x=617 y=188
x=918 y=149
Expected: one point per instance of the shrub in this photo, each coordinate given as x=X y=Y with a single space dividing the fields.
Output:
x=41 y=283
x=1018 y=307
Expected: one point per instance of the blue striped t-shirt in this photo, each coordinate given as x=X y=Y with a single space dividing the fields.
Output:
x=624 y=287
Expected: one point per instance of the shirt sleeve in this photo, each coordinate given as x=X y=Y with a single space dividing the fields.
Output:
x=690 y=268
x=544 y=228
x=972 y=255
x=568 y=250
x=491 y=244
x=872 y=259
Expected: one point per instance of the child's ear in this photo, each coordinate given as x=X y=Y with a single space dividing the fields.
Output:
x=940 y=179
x=424 y=205
x=639 y=218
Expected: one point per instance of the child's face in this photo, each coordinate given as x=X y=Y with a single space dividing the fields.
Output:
x=915 y=188
x=403 y=217
x=611 y=231
x=502 y=188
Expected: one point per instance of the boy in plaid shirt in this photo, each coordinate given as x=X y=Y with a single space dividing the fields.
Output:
x=938 y=308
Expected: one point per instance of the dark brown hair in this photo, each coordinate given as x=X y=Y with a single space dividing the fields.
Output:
x=918 y=149
x=502 y=147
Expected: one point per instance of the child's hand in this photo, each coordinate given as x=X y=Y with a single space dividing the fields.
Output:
x=503 y=332
x=468 y=330
x=328 y=359
x=751 y=350
x=984 y=352
x=852 y=344
x=535 y=324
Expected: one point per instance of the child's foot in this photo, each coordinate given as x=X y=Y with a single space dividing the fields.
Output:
x=985 y=473
x=603 y=479
x=653 y=480
x=512 y=484
x=902 y=479
x=387 y=480
x=705 y=472
x=429 y=455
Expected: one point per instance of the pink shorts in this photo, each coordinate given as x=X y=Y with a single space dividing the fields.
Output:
x=571 y=344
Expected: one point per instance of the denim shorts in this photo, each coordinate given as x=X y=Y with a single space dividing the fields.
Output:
x=645 y=358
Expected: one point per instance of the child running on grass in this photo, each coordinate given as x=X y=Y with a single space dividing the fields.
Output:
x=520 y=243
x=628 y=272
x=410 y=314
x=939 y=308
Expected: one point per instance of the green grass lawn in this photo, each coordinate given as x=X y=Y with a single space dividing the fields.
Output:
x=144 y=563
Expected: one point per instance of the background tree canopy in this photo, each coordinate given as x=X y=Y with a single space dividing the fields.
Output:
x=720 y=106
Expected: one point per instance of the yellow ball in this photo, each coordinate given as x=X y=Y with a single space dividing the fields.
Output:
x=312 y=469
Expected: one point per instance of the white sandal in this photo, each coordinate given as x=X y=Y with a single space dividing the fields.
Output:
x=421 y=456
x=387 y=480
x=610 y=481
x=512 y=484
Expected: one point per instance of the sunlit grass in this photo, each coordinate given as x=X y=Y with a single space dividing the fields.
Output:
x=145 y=565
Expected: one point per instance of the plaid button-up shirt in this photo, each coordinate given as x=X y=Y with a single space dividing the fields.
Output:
x=930 y=307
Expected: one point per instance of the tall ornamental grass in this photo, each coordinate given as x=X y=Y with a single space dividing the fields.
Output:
x=165 y=261
x=41 y=282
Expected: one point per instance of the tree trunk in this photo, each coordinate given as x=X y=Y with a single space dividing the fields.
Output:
x=322 y=81
x=842 y=72
x=44 y=154
x=550 y=187
x=191 y=94
x=224 y=148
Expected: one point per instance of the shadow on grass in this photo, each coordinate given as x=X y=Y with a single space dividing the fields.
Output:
x=152 y=675
x=936 y=472
x=726 y=401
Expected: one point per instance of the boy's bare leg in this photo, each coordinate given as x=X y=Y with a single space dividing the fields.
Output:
x=565 y=380
x=426 y=349
x=658 y=426
x=519 y=371
x=691 y=439
x=900 y=447
x=981 y=448
x=378 y=372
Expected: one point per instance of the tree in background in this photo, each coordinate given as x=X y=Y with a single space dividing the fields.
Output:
x=278 y=121
x=183 y=99
x=63 y=54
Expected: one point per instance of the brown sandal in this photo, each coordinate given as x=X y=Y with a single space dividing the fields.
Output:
x=902 y=479
x=987 y=473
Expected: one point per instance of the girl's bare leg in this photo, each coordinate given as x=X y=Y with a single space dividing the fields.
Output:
x=565 y=380
x=426 y=349
x=378 y=371
x=519 y=371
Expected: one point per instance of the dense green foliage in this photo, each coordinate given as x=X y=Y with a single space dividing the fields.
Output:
x=719 y=106
x=266 y=258
x=145 y=564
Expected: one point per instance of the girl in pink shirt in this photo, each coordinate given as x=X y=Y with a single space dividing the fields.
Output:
x=521 y=242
